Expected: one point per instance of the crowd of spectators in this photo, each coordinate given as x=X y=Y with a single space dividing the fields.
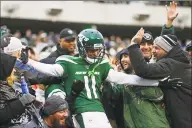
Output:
x=43 y=43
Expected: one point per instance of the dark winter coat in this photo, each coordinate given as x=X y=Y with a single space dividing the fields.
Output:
x=12 y=112
x=53 y=56
x=10 y=105
x=176 y=65
x=11 y=109
x=6 y=65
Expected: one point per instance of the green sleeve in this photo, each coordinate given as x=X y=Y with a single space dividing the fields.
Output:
x=106 y=68
x=64 y=61
x=64 y=65
x=170 y=30
x=150 y=93
x=55 y=89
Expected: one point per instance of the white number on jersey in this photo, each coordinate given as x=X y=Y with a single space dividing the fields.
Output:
x=93 y=87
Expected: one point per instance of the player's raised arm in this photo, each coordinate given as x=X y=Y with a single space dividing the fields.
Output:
x=48 y=69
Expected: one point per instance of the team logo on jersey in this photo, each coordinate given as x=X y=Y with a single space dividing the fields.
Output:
x=80 y=73
x=84 y=73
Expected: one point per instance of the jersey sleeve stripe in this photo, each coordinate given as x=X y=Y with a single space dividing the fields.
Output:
x=104 y=61
x=66 y=59
x=57 y=91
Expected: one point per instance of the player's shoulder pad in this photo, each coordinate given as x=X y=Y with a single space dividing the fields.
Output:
x=66 y=58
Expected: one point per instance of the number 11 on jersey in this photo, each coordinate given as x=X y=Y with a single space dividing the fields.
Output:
x=88 y=88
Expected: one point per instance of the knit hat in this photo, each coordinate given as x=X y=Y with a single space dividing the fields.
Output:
x=166 y=42
x=54 y=104
x=147 y=37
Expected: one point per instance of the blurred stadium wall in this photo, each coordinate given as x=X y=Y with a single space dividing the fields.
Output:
x=123 y=19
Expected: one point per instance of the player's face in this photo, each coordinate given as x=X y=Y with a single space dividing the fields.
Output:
x=93 y=53
x=158 y=52
x=58 y=118
x=146 y=49
x=126 y=63
x=68 y=44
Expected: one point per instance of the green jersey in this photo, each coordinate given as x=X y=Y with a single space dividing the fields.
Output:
x=76 y=68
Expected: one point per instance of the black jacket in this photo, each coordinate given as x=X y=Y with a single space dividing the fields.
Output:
x=10 y=105
x=177 y=65
x=6 y=65
x=53 y=56
x=12 y=112
x=60 y=51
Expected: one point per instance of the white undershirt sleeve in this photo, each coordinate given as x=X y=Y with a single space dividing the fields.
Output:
x=48 y=69
x=122 y=78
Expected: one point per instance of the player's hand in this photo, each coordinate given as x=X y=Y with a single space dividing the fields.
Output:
x=170 y=82
x=77 y=87
x=24 y=56
x=138 y=37
x=171 y=13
